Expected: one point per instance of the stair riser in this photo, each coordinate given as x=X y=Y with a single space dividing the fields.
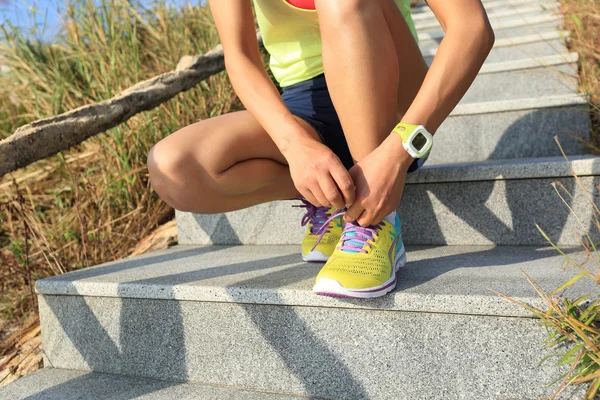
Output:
x=540 y=82
x=512 y=134
x=529 y=12
x=519 y=52
x=495 y=212
x=458 y=213
x=64 y=384
x=423 y=11
x=527 y=51
x=424 y=19
x=340 y=353
x=521 y=30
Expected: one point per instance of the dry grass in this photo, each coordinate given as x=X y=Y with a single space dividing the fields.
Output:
x=574 y=324
x=582 y=19
x=93 y=203
x=23 y=353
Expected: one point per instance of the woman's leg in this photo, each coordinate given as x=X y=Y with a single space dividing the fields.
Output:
x=221 y=164
x=367 y=48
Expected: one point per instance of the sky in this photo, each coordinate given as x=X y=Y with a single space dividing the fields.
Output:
x=17 y=11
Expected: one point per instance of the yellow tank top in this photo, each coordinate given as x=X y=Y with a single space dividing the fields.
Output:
x=292 y=37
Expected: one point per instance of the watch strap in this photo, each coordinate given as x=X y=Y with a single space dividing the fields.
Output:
x=404 y=130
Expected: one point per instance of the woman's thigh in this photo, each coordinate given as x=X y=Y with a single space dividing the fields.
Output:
x=220 y=164
x=220 y=142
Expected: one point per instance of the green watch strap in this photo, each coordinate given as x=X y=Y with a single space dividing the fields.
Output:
x=404 y=130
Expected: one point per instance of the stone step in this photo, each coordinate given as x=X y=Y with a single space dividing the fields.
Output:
x=518 y=26
x=517 y=128
x=423 y=19
x=245 y=316
x=524 y=51
x=513 y=49
x=544 y=76
x=550 y=75
x=65 y=384
x=422 y=12
x=429 y=49
x=497 y=19
x=493 y=202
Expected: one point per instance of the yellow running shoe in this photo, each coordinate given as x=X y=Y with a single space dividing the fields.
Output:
x=322 y=232
x=365 y=262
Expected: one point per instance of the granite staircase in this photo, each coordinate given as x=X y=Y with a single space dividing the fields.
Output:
x=229 y=313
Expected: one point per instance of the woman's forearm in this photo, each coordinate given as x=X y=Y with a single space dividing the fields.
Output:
x=261 y=98
x=455 y=66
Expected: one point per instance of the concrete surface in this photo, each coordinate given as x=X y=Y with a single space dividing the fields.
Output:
x=498 y=85
x=319 y=351
x=497 y=18
x=422 y=19
x=517 y=26
x=429 y=48
x=64 y=384
x=496 y=202
x=447 y=279
x=422 y=11
x=474 y=133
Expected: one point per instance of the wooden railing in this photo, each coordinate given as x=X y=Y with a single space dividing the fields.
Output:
x=46 y=137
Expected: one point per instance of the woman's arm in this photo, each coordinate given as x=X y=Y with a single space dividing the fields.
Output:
x=380 y=176
x=253 y=86
x=317 y=173
x=468 y=41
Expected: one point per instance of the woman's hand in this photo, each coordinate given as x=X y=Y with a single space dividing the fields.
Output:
x=379 y=178
x=319 y=175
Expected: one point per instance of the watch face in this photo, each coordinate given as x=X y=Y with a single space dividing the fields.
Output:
x=419 y=141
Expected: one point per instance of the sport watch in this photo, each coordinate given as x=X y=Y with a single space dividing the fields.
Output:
x=417 y=141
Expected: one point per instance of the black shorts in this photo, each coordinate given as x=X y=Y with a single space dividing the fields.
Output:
x=310 y=101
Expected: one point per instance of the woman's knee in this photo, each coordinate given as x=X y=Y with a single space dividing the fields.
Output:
x=169 y=170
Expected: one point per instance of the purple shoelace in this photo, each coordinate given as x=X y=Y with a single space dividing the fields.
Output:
x=354 y=237
x=317 y=216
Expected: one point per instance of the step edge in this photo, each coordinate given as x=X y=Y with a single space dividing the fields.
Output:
x=520 y=104
x=517 y=169
x=47 y=373
x=490 y=306
x=516 y=9
x=422 y=6
x=523 y=12
x=517 y=40
x=530 y=63
x=432 y=36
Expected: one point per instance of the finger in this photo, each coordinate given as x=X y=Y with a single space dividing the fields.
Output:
x=318 y=194
x=353 y=212
x=310 y=197
x=364 y=219
x=331 y=191
x=344 y=182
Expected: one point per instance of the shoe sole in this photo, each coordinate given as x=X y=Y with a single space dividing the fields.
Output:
x=332 y=288
x=315 y=256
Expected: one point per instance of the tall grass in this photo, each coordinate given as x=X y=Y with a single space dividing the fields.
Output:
x=576 y=322
x=573 y=325
x=93 y=203
x=582 y=19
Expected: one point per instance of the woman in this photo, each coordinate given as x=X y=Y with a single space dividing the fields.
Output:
x=350 y=70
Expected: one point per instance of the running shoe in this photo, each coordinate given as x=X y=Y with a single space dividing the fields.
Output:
x=365 y=261
x=322 y=232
